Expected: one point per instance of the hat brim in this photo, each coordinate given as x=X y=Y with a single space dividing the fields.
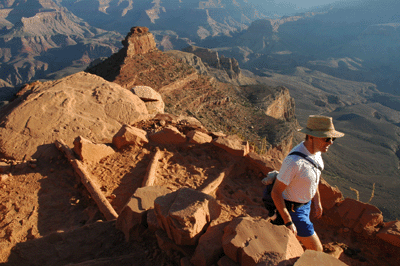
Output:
x=322 y=134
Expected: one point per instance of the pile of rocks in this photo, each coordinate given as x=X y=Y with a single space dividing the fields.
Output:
x=189 y=221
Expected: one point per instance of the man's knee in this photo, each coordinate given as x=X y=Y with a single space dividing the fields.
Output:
x=311 y=242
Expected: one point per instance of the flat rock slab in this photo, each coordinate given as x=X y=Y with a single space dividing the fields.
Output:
x=248 y=241
x=198 y=137
x=311 y=257
x=169 y=135
x=185 y=214
x=91 y=152
x=233 y=144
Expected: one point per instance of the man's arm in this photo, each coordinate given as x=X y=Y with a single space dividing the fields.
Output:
x=316 y=201
x=277 y=197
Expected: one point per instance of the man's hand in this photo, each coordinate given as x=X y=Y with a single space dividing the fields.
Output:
x=293 y=228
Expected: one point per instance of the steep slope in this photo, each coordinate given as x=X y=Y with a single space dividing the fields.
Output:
x=219 y=106
x=46 y=38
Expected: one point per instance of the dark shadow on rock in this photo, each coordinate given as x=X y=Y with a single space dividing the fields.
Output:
x=94 y=241
x=63 y=201
x=110 y=68
x=130 y=182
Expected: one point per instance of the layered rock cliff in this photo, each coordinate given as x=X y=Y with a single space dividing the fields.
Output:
x=212 y=59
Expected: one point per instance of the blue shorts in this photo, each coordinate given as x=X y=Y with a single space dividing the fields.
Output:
x=301 y=219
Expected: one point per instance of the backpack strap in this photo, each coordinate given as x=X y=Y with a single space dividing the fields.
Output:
x=316 y=165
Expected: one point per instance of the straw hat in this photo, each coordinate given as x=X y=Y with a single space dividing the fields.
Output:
x=321 y=127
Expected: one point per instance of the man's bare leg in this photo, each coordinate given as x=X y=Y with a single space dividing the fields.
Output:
x=311 y=242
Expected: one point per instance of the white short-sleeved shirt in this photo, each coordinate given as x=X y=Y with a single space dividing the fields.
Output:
x=300 y=176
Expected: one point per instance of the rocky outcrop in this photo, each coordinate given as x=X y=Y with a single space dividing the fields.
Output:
x=190 y=59
x=209 y=249
x=208 y=56
x=211 y=58
x=330 y=195
x=280 y=105
x=78 y=105
x=360 y=217
x=151 y=98
x=139 y=41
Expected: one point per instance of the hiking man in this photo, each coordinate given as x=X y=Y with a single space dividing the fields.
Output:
x=296 y=186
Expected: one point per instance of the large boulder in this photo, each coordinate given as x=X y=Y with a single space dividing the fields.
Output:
x=359 y=216
x=185 y=214
x=151 y=98
x=78 y=105
x=248 y=241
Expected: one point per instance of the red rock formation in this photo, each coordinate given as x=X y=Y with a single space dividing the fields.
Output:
x=248 y=241
x=233 y=144
x=170 y=135
x=78 y=105
x=128 y=135
x=139 y=41
x=281 y=106
x=91 y=152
